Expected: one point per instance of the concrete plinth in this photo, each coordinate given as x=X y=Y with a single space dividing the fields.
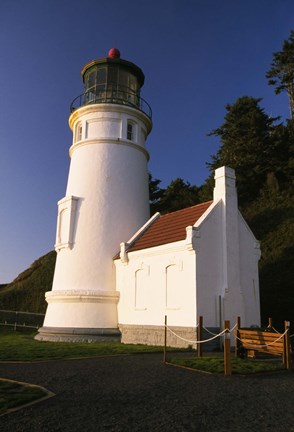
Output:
x=154 y=335
x=68 y=334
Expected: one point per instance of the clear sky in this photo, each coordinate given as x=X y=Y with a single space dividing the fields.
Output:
x=197 y=56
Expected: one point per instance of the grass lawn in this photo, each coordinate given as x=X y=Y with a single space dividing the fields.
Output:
x=14 y=394
x=21 y=346
x=239 y=366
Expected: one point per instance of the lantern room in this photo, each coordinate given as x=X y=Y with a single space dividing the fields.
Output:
x=112 y=80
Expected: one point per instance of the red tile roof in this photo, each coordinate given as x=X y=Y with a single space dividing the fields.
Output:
x=169 y=228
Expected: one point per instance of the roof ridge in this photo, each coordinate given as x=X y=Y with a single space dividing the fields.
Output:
x=186 y=208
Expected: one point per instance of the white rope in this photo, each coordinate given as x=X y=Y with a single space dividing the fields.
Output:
x=214 y=334
x=233 y=328
x=195 y=341
x=261 y=346
x=292 y=335
x=208 y=331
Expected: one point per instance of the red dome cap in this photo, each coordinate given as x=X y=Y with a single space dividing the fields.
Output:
x=114 y=53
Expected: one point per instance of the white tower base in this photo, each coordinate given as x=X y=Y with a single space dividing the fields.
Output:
x=86 y=315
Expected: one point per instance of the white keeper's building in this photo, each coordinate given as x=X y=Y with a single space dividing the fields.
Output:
x=119 y=272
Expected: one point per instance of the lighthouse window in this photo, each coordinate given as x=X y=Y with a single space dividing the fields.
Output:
x=112 y=75
x=79 y=132
x=91 y=80
x=101 y=75
x=130 y=132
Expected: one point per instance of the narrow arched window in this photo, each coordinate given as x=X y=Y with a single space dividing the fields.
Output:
x=172 y=288
x=79 y=132
x=130 y=131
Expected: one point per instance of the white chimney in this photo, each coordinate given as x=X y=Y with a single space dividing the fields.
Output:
x=225 y=191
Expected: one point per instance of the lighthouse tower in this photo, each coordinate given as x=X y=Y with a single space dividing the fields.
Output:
x=106 y=200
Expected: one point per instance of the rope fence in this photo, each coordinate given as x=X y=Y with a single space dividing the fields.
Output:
x=197 y=341
x=274 y=347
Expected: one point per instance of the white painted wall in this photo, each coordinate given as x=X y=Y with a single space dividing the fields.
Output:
x=164 y=277
x=249 y=257
x=227 y=255
x=209 y=265
x=107 y=200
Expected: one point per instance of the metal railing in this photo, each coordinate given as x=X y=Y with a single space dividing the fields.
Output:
x=17 y=319
x=113 y=94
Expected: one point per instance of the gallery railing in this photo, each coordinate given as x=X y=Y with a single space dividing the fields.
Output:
x=113 y=94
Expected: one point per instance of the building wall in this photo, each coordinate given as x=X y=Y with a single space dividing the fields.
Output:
x=209 y=266
x=220 y=294
x=249 y=257
x=155 y=283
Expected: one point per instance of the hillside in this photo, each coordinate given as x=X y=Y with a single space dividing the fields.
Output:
x=27 y=292
x=271 y=218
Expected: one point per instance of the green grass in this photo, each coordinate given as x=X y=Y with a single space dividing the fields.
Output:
x=19 y=346
x=216 y=365
x=13 y=394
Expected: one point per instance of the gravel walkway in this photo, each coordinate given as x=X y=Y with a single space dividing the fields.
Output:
x=140 y=393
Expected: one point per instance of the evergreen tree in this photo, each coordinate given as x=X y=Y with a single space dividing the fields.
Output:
x=246 y=145
x=206 y=190
x=155 y=194
x=281 y=74
x=280 y=157
x=178 y=195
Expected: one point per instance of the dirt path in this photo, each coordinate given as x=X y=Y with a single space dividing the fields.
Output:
x=140 y=393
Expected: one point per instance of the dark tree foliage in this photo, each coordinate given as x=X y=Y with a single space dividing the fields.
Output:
x=281 y=73
x=246 y=145
x=280 y=160
x=206 y=190
x=271 y=217
x=178 y=195
x=155 y=194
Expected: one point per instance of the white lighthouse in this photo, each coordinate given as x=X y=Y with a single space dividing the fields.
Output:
x=106 y=200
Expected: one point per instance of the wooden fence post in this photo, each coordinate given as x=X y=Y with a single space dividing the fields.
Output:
x=199 y=336
x=220 y=320
x=237 y=337
x=227 y=349
x=15 y=324
x=165 y=337
x=287 y=360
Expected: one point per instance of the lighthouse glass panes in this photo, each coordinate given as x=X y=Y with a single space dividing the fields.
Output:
x=130 y=131
x=111 y=83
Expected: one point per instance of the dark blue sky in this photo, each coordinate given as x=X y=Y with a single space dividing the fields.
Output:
x=197 y=56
